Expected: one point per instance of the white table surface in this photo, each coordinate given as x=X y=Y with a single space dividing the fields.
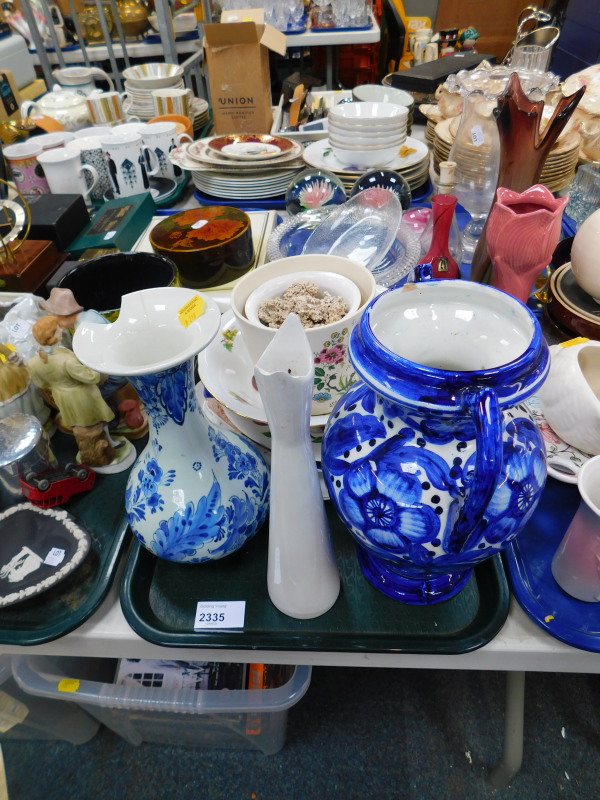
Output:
x=520 y=645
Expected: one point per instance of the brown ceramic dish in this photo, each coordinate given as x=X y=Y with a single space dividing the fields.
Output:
x=210 y=246
x=572 y=308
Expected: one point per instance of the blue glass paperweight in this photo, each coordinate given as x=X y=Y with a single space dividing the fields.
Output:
x=314 y=188
x=385 y=179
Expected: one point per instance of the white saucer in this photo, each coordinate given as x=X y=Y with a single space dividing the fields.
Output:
x=227 y=372
x=563 y=460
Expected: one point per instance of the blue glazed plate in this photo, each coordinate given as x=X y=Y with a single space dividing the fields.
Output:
x=528 y=559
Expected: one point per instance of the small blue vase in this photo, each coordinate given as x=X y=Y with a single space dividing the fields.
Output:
x=197 y=492
x=432 y=459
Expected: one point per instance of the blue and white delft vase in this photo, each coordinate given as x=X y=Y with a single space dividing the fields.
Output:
x=197 y=492
x=433 y=460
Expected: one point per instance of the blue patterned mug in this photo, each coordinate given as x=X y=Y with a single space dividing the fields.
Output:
x=432 y=460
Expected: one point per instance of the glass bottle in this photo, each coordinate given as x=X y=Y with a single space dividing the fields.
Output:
x=443 y=264
x=476 y=151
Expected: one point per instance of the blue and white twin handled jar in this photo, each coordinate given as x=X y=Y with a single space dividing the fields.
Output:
x=197 y=492
x=432 y=460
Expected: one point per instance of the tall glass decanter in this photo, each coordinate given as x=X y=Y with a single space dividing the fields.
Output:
x=476 y=151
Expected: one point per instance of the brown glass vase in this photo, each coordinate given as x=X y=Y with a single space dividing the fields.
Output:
x=523 y=149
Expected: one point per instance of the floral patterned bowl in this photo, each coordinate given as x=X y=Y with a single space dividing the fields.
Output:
x=333 y=371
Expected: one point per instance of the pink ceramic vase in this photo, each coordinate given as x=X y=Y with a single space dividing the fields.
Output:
x=522 y=231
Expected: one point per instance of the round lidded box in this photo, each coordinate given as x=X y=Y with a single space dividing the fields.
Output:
x=211 y=246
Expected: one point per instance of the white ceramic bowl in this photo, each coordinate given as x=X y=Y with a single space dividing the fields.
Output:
x=334 y=283
x=361 y=144
x=152 y=76
x=365 y=129
x=329 y=343
x=361 y=136
x=365 y=158
x=372 y=92
x=380 y=113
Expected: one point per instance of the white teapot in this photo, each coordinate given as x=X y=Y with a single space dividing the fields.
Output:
x=81 y=79
x=66 y=107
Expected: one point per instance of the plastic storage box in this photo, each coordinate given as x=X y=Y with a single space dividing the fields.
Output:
x=45 y=719
x=253 y=719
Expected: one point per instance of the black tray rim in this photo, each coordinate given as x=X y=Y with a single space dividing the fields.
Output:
x=492 y=585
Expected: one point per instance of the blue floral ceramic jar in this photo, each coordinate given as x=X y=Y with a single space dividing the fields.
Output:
x=432 y=460
x=197 y=492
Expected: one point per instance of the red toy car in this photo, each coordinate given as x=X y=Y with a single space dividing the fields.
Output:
x=55 y=486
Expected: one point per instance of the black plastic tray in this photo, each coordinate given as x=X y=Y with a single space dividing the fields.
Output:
x=159 y=599
x=61 y=609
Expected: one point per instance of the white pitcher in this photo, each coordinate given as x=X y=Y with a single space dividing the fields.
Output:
x=81 y=79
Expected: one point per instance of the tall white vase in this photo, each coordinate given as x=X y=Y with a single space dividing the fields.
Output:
x=302 y=576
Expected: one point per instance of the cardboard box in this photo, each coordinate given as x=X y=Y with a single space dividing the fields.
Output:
x=237 y=60
x=10 y=99
x=33 y=90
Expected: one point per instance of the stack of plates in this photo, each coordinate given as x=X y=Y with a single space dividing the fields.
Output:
x=412 y=162
x=559 y=169
x=240 y=166
x=199 y=114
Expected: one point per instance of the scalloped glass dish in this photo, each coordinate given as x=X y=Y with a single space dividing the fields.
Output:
x=362 y=229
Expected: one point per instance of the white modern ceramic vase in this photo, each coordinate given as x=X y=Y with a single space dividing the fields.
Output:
x=302 y=576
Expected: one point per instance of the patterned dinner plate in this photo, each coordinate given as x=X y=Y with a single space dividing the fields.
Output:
x=227 y=372
x=250 y=146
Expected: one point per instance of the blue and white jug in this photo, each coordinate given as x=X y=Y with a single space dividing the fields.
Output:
x=433 y=460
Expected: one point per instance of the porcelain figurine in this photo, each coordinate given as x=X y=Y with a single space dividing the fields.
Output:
x=432 y=459
x=74 y=390
x=196 y=493
x=302 y=576
x=522 y=232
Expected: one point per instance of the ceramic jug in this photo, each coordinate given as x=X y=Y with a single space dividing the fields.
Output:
x=81 y=80
x=196 y=493
x=432 y=460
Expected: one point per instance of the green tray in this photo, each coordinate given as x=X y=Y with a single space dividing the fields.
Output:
x=61 y=609
x=159 y=599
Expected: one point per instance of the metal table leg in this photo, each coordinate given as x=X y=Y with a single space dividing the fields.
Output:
x=512 y=752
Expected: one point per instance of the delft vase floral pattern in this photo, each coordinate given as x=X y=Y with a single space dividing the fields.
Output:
x=197 y=493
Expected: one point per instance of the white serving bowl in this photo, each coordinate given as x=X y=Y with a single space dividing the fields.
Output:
x=345 y=144
x=373 y=93
x=380 y=113
x=366 y=135
x=334 y=283
x=365 y=158
x=368 y=131
x=152 y=75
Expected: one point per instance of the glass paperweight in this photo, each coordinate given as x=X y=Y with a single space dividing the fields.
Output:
x=314 y=188
x=385 y=179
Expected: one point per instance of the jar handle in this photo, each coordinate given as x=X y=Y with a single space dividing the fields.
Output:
x=482 y=404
